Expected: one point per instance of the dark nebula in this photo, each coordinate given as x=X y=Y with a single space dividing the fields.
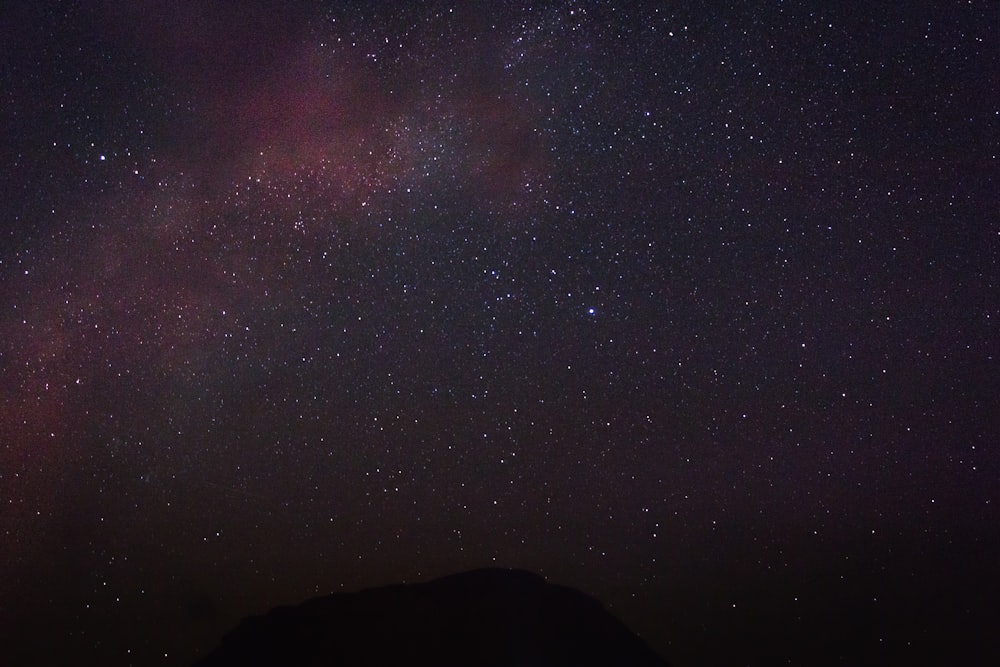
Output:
x=695 y=309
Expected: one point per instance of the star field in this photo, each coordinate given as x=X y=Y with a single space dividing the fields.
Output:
x=694 y=308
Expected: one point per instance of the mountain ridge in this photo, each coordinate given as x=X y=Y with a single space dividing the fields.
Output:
x=491 y=617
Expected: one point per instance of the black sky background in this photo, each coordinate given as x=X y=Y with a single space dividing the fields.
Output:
x=693 y=307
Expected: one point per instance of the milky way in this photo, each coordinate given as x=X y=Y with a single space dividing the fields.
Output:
x=694 y=309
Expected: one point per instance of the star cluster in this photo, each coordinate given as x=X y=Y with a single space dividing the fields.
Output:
x=693 y=308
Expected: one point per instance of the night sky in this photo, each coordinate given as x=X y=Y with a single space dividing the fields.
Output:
x=694 y=308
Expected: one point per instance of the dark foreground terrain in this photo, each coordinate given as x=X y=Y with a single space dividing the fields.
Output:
x=483 y=618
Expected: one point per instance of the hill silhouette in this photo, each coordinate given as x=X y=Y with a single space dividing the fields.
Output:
x=485 y=618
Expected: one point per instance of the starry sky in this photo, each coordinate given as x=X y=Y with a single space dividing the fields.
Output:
x=692 y=306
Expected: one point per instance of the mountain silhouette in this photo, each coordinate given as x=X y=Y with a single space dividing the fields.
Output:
x=483 y=618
